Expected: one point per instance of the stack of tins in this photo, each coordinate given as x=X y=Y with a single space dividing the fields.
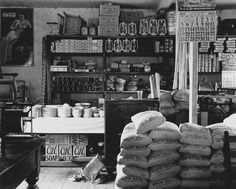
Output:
x=195 y=159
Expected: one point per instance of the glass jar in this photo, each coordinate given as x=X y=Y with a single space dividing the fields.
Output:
x=132 y=29
x=117 y=45
x=108 y=45
x=123 y=28
x=126 y=45
x=152 y=27
x=84 y=30
x=143 y=27
x=92 y=30
x=134 y=45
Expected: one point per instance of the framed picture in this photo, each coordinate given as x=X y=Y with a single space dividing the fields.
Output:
x=16 y=44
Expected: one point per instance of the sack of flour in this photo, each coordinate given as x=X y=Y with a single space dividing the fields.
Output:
x=133 y=171
x=160 y=172
x=124 y=181
x=129 y=137
x=194 y=160
x=195 y=173
x=147 y=121
x=162 y=157
x=137 y=161
x=166 y=130
x=135 y=151
x=195 y=149
x=159 y=145
x=217 y=131
x=190 y=127
x=164 y=183
x=196 y=138
x=195 y=183
x=217 y=168
x=217 y=157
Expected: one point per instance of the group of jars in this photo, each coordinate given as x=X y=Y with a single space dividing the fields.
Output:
x=146 y=27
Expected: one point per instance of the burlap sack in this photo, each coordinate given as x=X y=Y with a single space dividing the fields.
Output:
x=162 y=158
x=194 y=160
x=133 y=171
x=195 y=138
x=192 y=183
x=135 y=151
x=147 y=121
x=195 y=173
x=195 y=150
x=190 y=127
x=124 y=181
x=217 y=157
x=136 y=161
x=164 y=184
x=130 y=138
x=167 y=130
x=217 y=168
x=160 y=172
x=159 y=145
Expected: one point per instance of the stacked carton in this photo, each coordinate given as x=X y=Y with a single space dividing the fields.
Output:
x=109 y=19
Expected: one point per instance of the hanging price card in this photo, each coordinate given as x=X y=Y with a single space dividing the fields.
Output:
x=197 y=26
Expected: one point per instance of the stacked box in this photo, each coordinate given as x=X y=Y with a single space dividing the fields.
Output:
x=109 y=19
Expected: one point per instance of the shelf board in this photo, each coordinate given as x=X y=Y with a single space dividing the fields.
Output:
x=209 y=72
x=139 y=54
x=75 y=36
x=75 y=54
x=77 y=73
x=120 y=92
x=78 y=92
x=130 y=73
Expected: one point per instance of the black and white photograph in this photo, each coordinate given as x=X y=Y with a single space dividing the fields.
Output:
x=117 y=94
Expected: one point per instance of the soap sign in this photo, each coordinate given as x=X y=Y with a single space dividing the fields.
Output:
x=197 y=26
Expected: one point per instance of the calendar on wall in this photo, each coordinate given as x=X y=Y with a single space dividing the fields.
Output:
x=197 y=26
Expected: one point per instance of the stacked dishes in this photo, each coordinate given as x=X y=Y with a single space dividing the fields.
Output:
x=77 y=111
x=49 y=111
x=64 y=110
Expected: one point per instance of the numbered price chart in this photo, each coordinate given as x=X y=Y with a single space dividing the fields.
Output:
x=197 y=26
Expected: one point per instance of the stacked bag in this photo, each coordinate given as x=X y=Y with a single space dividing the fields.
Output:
x=217 y=166
x=149 y=152
x=132 y=167
x=195 y=156
x=162 y=161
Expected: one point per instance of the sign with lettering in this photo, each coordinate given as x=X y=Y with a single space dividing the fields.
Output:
x=65 y=152
x=79 y=151
x=197 y=26
x=51 y=152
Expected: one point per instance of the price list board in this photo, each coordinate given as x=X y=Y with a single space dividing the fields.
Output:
x=197 y=26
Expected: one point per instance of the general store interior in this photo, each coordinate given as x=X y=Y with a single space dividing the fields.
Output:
x=79 y=98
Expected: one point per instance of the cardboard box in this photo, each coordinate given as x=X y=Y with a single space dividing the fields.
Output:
x=109 y=21
x=108 y=30
x=51 y=152
x=79 y=151
x=65 y=152
x=108 y=9
x=57 y=139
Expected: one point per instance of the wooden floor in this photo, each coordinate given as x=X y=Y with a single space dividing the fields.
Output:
x=59 y=178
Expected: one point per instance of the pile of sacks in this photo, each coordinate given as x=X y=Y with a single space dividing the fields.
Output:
x=217 y=166
x=195 y=159
x=149 y=153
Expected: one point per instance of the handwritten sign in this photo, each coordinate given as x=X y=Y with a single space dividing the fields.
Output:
x=51 y=152
x=197 y=26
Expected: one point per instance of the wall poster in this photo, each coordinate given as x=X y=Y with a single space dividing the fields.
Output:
x=16 y=44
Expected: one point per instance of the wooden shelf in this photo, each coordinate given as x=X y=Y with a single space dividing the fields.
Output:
x=75 y=54
x=77 y=73
x=130 y=73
